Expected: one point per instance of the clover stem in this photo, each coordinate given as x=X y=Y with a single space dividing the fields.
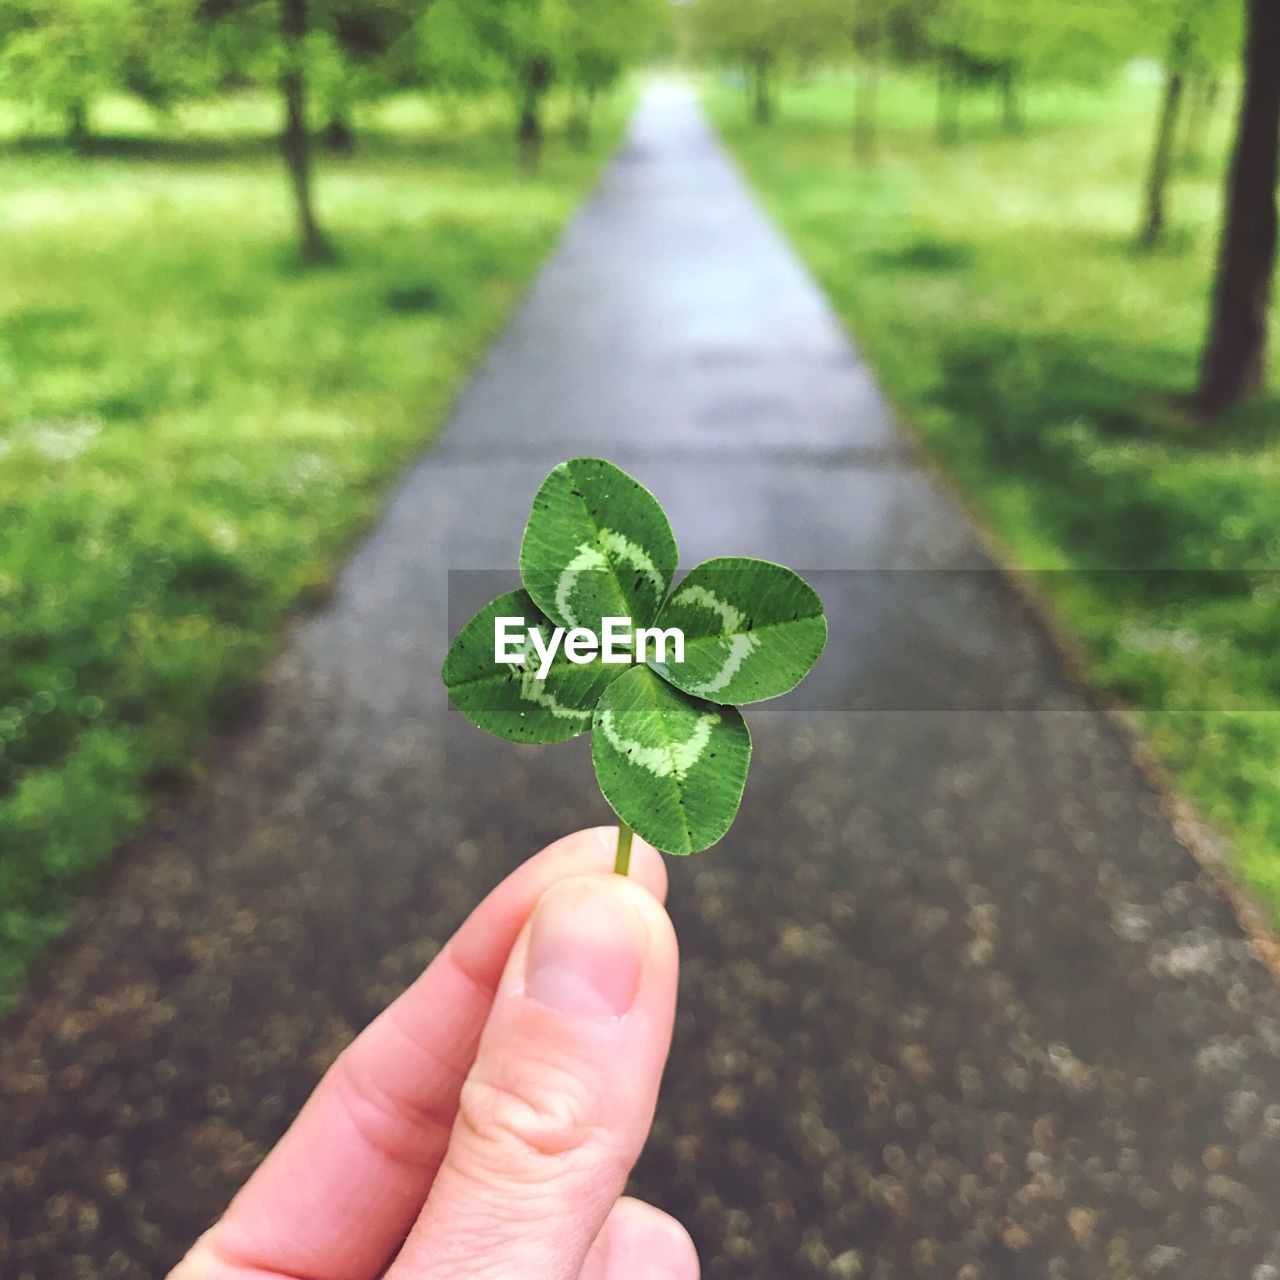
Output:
x=622 y=860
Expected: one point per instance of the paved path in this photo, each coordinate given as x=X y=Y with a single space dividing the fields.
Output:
x=955 y=1004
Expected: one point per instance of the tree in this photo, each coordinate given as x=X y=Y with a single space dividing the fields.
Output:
x=599 y=39
x=867 y=35
x=159 y=56
x=509 y=45
x=960 y=68
x=360 y=51
x=1166 y=127
x=1198 y=35
x=753 y=35
x=521 y=48
x=266 y=40
x=295 y=140
x=1003 y=44
x=979 y=44
x=833 y=31
x=59 y=55
x=767 y=37
x=1234 y=355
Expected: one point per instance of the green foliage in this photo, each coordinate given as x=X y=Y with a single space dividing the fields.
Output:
x=1043 y=362
x=745 y=32
x=458 y=53
x=766 y=37
x=523 y=47
x=362 y=50
x=1199 y=33
x=672 y=767
x=192 y=431
x=600 y=39
x=59 y=57
x=670 y=751
x=1085 y=40
x=512 y=702
x=597 y=544
x=355 y=50
x=752 y=630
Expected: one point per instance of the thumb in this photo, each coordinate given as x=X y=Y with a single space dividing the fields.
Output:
x=561 y=1096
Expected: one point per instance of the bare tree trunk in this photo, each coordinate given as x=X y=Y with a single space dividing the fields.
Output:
x=535 y=80
x=763 y=100
x=579 y=129
x=1153 y=218
x=78 y=124
x=865 y=98
x=529 y=134
x=339 y=134
x=1235 y=351
x=295 y=144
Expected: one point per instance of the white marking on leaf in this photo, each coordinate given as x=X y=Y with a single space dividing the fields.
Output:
x=741 y=646
x=596 y=555
x=729 y=614
x=674 y=758
x=534 y=690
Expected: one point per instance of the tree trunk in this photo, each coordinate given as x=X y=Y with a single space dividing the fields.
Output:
x=865 y=100
x=529 y=133
x=78 y=124
x=1153 y=218
x=535 y=80
x=579 y=130
x=1235 y=351
x=1010 y=106
x=339 y=134
x=295 y=144
x=763 y=100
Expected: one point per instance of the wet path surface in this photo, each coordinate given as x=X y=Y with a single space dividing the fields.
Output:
x=955 y=1004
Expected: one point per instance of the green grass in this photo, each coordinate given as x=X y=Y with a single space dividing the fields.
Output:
x=995 y=288
x=192 y=429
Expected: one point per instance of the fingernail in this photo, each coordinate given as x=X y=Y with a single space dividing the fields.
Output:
x=586 y=949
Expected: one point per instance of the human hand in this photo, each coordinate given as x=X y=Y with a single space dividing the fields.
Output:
x=484 y=1125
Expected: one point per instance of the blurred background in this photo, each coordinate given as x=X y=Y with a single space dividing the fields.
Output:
x=251 y=251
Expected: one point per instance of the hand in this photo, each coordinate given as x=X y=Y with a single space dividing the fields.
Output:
x=483 y=1126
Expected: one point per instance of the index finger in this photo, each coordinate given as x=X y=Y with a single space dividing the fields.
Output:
x=338 y=1194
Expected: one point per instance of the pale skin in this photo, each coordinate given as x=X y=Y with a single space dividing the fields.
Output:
x=483 y=1126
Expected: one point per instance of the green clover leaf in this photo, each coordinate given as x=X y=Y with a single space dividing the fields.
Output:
x=671 y=766
x=670 y=748
x=510 y=701
x=597 y=545
x=752 y=630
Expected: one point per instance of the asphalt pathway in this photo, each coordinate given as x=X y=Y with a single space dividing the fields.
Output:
x=956 y=1003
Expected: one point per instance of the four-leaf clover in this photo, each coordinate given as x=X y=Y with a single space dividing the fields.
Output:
x=669 y=745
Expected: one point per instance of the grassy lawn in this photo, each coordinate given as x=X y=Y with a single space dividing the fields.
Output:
x=995 y=289
x=192 y=429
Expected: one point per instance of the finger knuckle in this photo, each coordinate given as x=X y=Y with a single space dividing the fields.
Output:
x=532 y=1115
